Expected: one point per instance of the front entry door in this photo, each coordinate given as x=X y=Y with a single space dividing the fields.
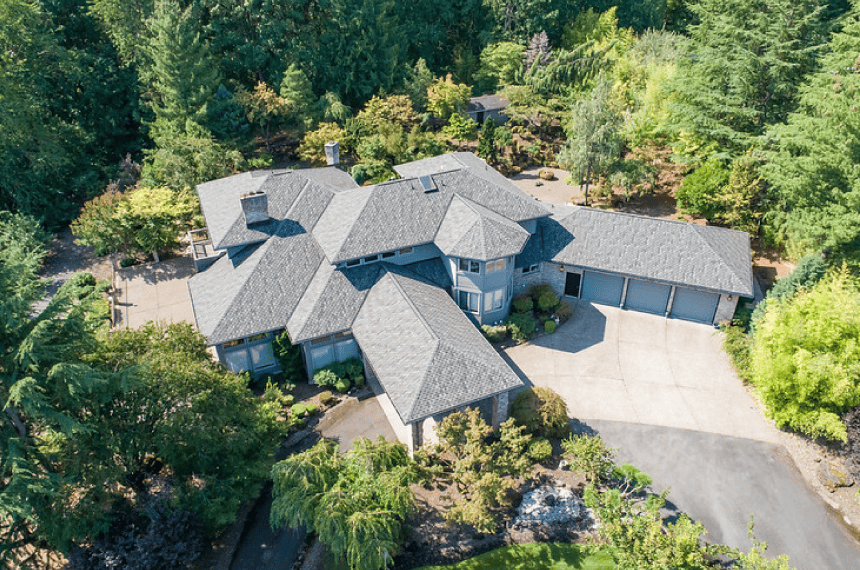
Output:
x=571 y=284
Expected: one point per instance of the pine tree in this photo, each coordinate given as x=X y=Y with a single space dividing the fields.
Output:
x=296 y=88
x=487 y=141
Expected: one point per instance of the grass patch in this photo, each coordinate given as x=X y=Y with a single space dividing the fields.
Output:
x=539 y=556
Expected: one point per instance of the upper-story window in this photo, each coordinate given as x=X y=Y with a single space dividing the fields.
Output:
x=469 y=266
x=497 y=265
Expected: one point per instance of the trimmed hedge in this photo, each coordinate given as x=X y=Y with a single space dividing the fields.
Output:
x=311 y=409
x=298 y=410
x=549 y=326
x=326 y=397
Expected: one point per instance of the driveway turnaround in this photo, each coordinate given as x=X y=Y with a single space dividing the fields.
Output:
x=612 y=364
x=722 y=481
x=664 y=394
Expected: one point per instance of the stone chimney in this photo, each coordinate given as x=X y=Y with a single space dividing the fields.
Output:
x=255 y=206
x=332 y=153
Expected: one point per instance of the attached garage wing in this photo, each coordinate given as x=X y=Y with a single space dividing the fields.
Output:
x=647 y=296
x=693 y=305
x=602 y=288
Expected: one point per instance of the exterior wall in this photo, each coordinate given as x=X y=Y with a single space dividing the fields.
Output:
x=253 y=355
x=340 y=345
x=548 y=273
x=726 y=308
x=483 y=283
x=419 y=253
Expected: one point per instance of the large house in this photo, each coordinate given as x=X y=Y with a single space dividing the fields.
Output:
x=400 y=273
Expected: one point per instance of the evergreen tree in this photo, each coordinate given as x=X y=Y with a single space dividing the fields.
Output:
x=812 y=166
x=183 y=76
x=487 y=141
x=594 y=143
x=296 y=89
x=740 y=70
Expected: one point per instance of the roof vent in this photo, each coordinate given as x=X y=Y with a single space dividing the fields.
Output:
x=255 y=206
x=428 y=184
x=332 y=153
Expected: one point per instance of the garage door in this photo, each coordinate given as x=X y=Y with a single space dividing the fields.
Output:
x=693 y=305
x=602 y=288
x=647 y=296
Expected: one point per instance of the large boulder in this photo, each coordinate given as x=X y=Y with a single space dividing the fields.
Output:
x=834 y=475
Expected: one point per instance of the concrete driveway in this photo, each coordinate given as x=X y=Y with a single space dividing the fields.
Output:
x=662 y=392
x=612 y=364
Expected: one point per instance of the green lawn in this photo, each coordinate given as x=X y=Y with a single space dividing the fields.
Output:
x=539 y=556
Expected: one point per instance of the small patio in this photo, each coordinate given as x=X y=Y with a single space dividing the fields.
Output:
x=153 y=292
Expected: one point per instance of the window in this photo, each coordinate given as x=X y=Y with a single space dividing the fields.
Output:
x=321 y=340
x=260 y=336
x=343 y=334
x=468 y=301
x=371 y=258
x=388 y=254
x=405 y=250
x=493 y=300
x=497 y=265
x=530 y=269
x=469 y=266
x=353 y=262
x=233 y=343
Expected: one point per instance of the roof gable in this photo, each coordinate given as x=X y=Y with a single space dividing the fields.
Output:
x=472 y=231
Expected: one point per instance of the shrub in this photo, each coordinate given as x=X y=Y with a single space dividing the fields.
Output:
x=127 y=262
x=326 y=397
x=522 y=305
x=353 y=368
x=342 y=385
x=290 y=358
x=542 y=411
x=535 y=291
x=549 y=326
x=540 y=450
x=359 y=381
x=298 y=410
x=311 y=409
x=564 y=311
x=289 y=400
x=700 y=191
x=520 y=326
x=590 y=456
x=547 y=301
x=737 y=345
x=325 y=377
x=493 y=333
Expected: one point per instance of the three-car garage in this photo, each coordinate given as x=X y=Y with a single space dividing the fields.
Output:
x=649 y=296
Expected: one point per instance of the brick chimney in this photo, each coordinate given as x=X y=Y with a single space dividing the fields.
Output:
x=332 y=153
x=255 y=206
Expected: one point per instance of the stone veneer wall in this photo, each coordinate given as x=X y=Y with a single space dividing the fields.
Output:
x=548 y=273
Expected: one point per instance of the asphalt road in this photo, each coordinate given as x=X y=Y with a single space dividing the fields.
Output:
x=721 y=481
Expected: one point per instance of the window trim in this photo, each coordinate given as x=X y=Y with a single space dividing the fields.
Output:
x=531 y=269
x=497 y=265
x=470 y=296
x=494 y=300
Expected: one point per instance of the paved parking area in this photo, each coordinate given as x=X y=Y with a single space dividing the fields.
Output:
x=612 y=364
x=154 y=292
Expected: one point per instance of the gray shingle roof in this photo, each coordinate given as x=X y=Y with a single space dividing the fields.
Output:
x=486 y=103
x=680 y=253
x=258 y=288
x=472 y=231
x=381 y=218
x=331 y=301
x=219 y=200
x=428 y=356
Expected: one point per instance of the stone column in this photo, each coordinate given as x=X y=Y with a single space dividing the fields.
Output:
x=417 y=439
x=500 y=409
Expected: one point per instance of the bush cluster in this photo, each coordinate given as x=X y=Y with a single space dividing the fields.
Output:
x=341 y=375
x=522 y=304
x=542 y=411
x=520 y=326
x=494 y=333
x=290 y=358
x=547 y=301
